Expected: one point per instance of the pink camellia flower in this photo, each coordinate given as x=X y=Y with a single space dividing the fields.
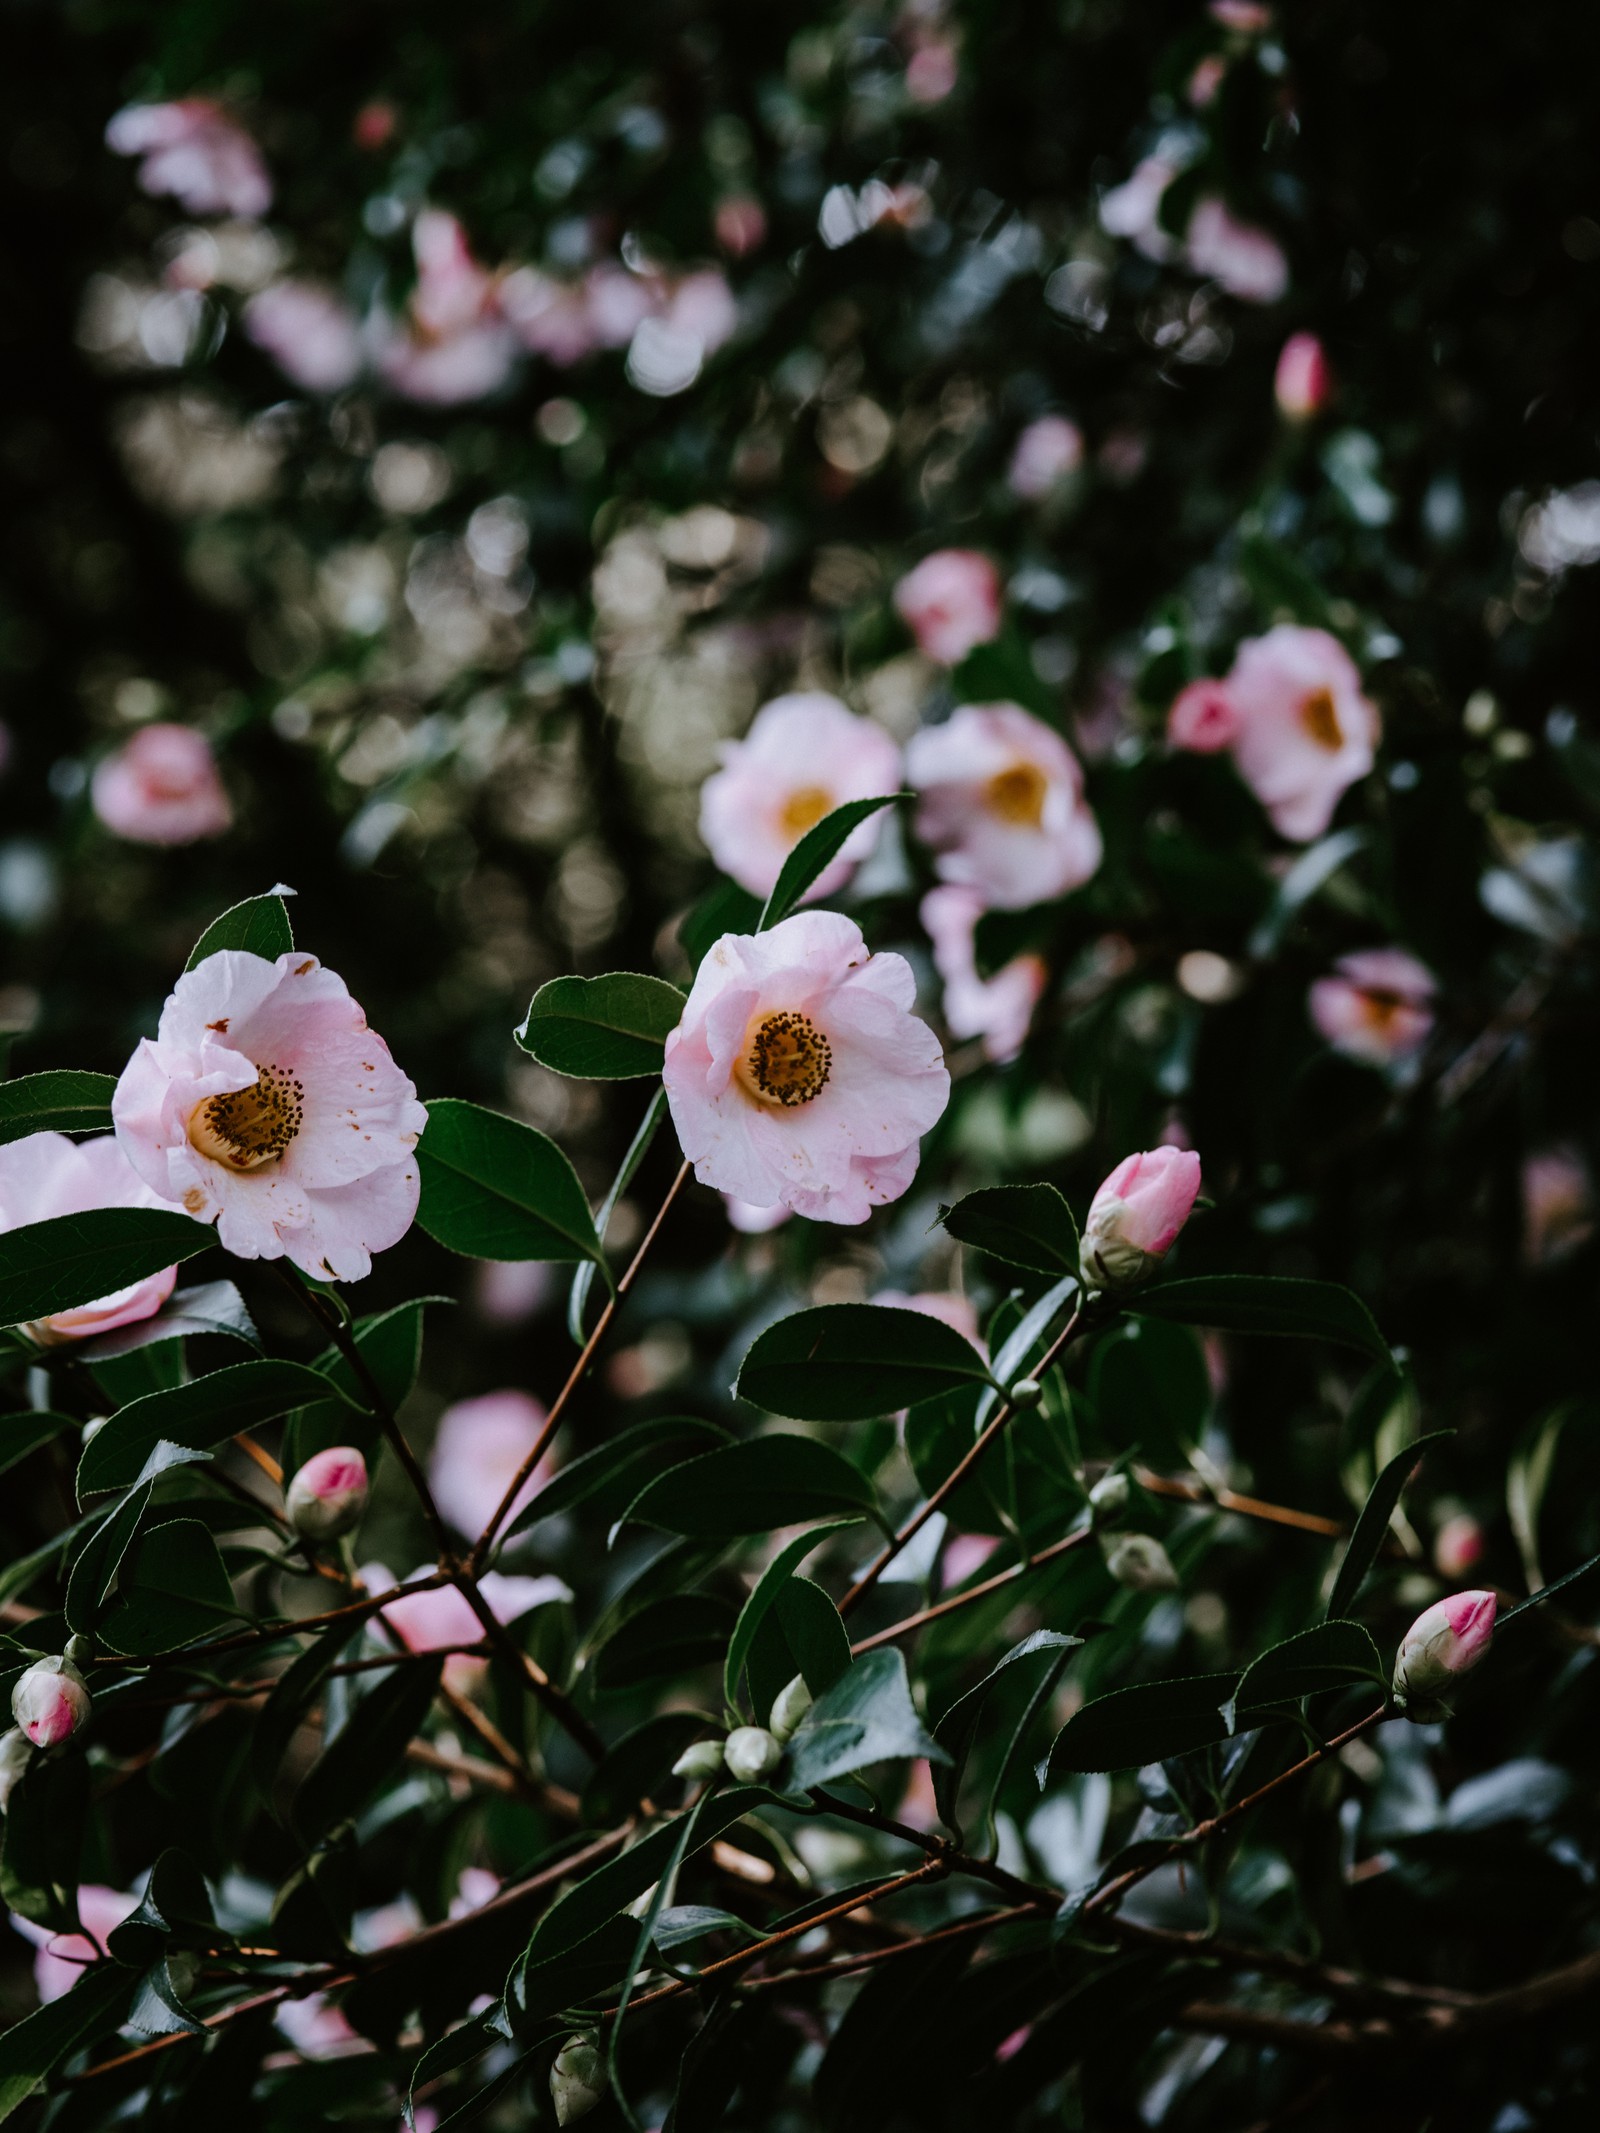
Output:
x=310 y=332
x=803 y=756
x=1133 y=209
x=1457 y=1546
x=964 y=1557
x=1306 y=732
x=617 y=301
x=453 y=344
x=328 y=1494
x=551 y=318
x=1302 y=383
x=799 y=1073
x=1000 y=800
x=752 y=1221
x=1248 y=263
x=439 y=1618
x=479 y=1446
x=1557 y=1205
x=932 y=71
x=161 y=787
x=1048 y=451
x=1135 y=1217
x=949 y=1308
x=950 y=603
x=196 y=154
x=46 y=1175
x=1446 y=1641
x=265 y=1104
x=50 y=1701
x=1204 y=718
x=999 y=1009
x=740 y=224
x=1377 y=1006
x=62 y=1957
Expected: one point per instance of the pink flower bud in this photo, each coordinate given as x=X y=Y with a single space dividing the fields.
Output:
x=1136 y=1215
x=328 y=1495
x=50 y=1702
x=951 y=603
x=1303 y=383
x=1204 y=718
x=1445 y=1641
x=1457 y=1546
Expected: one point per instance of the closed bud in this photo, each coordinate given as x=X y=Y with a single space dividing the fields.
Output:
x=328 y=1495
x=751 y=1752
x=577 y=2080
x=789 y=1707
x=1027 y=1392
x=1138 y=1561
x=703 y=1759
x=50 y=1702
x=1108 y=1499
x=16 y=1750
x=1446 y=1641
x=1302 y=383
x=1135 y=1217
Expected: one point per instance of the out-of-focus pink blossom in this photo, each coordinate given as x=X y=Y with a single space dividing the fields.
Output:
x=375 y=125
x=1306 y=731
x=507 y=1292
x=1446 y=1641
x=999 y=1009
x=328 y=1493
x=1133 y=209
x=193 y=152
x=1557 y=1205
x=1246 y=260
x=453 y=343
x=617 y=302
x=1206 y=80
x=950 y=603
x=740 y=224
x=1000 y=802
x=1302 y=383
x=803 y=756
x=1458 y=1546
x=45 y=1175
x=799 y=1072
x=161 y=787
x=439 y=1617
x=932 y=71
x=63 y=1957
x=1375 y=1006
x=949 y=1308
x=1247 y=18
x=1135 y=1217
x=964 y=1557
x=310 y=332
x=1049 y=450
x=1204 y=718
x=550 y=317
x=477 y=1450
x=753 y=1221
x=317 y=2028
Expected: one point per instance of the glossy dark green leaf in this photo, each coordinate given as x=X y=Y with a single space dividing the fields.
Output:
x=752 y=1487
x=211 y=1307
x=725 y=908
x=1025 y=1225
x=44 y=1833
x=175 y=1907
x=293 y=1694
x=259 y=926
x=957 y=1729
x=1373 y=1525
x=24 y=1433
x=391 y=1347
x=637 y=1765
x=172 y=1589
x=768 y=1586
x=801 y=1633
x=638 y=1148
x=1330 y=1656
x=816 y=852
x=365 y=1751
x=1262 y=1303
x=493 y=1188
x=32 y=2049
x=1023 y=1349
x=609 y=1477
x=1144 y=1724
x=158 y=2010
x=63 y=1101
x=866 y=1717
x=76 y=1259
x=200 y=1416
x=1150 y=1389
x=681 y=1925
x=674 y=1636
x=851 y=1362
x=611 y=1028
x=95 y=1568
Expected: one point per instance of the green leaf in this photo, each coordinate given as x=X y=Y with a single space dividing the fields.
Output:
x=771 y=1582
x=24 y=1433
x=816 y=852
x=158 y=2009
x=1330 y=1656
x=365 y=1751
x=293 y=1694
x=210 y=1308
x=610 y=1472
x=493 y=1188
x=674 y=1636
x=867 y=1717
x=1373 y=1524
x=1144 y=1724
x=176 y=1906
x=391 y=1347
x=76 y=1259
x=638 y=1765
x=753 y=1487
x=32 y=2049
x=638 y=1149
x=172 y=1589
x=612 y=1028
x=65 y=1100
x=1151 y=1389
x=852 y=1362
x=957 y=1731
x=198 y=1416
x=94 y=1572
x=1263 y=1303
x=1025 y=1225
x=46 y=1825
x=259 y=926
x=802 y=1634
x=682 y=1924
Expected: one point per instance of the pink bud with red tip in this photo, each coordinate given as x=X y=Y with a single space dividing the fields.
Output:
x=1444 y=1642
x=1303 y=382
x=1136 y=1215
x=50 y=1701
x=328 y=1495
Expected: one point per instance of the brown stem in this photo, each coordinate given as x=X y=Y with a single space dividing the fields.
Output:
x=268 y=1465
x=1273 y=1514
x=555 y=1699
x=941 y=1608
x=273 y=1635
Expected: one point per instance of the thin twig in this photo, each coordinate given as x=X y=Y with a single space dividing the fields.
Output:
x=957 y=1600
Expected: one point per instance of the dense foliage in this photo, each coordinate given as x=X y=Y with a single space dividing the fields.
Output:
x=878 y=1657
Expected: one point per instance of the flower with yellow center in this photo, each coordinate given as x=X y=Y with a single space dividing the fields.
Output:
x=1000 y=801
x=804 y=756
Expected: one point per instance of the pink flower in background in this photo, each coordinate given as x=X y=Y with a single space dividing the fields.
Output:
x=1446 y=1641
x=1206 y=80
x=1306 y=732
x=964 y=1557
x=753 y=1221
x=317 y=2027
x=476 y=1452
x=161 y=787
x=949 y=1308
x=328 y=1494
x=1557 y=1205
x=1133 y=209
x=195 y=153
x=265 y=1104
x=1249 y=264
x=1048 y=451
x=950 y=603
x=799 y=1073
x=453 y=344
x=440 y=1618
x=1135 y=1217
x=1457 y=1546
x=1377 y=1006
x=310 y=332
x=507 y=1292
x=999 y=1009
x=1247 y=18
x=740 y=224
x=1000 y=801
x=1302 y=382
x=1204 y=718
x=551 y=318
x=375 y=125
x=932 y=71
x=63 y=1957
x=617 y=302
x=803 y=756
x=46 y=1175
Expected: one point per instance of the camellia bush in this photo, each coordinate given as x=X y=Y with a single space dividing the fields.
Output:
x=925 y=1456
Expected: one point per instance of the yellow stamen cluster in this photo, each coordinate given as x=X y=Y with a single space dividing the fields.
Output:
x=1321 y=720
x=1017 y=794
x=803 y=809
x=787 y=1060
x=247 y=1128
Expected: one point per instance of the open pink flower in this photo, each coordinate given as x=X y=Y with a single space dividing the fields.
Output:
x=453 y=343
x=1306 y=732
x=161 y=787
x=999 y=1009
x=310 y=332
x=1248 y=263
x=1376 y=1006
x=439 y=1618
x=265 y=1104
x=799 y=1073
x=193 y=151
x=1446 y=1641
x=47 y=1175
x=1204 y=718
x=950 y=603
x=1302 y=383
x=1135 y=1217
x=1046 y=453
x=479 y=1446
x=1001 y=803
x=63 y=1957
x=803 y=756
